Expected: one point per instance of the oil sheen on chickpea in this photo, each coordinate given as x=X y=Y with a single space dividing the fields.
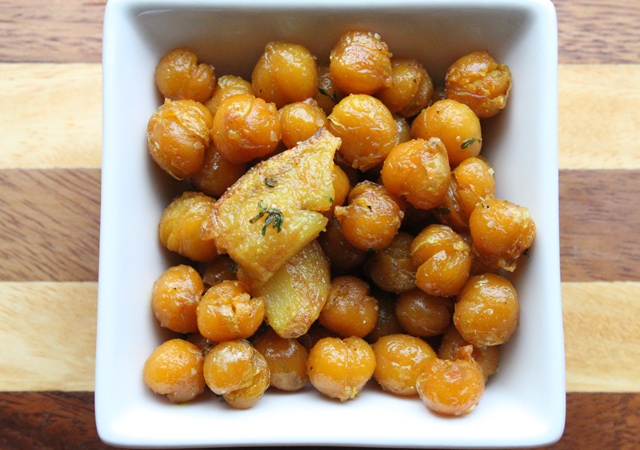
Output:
x=216 y=174
x=349 y=310
x=178 y=76
x=391 y=268
x=227 y=86
x=411 y=88
x=421 y=314
x=287 y=360
x=175 y=297
x=486 y=357
x=300 y=121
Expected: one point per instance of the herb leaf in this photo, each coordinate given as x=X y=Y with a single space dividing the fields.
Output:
x=333 y=97
x=469 y=142
x=443 y=210
x=234 y=266
x=270 y=182
x=329 y=198
x=274 y=217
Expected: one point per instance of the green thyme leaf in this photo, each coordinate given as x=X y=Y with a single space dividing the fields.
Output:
x=274 y=217
x=469 y=142
x=234 y=266
x=443 y=210
x=330 y=198
x=270 y=182
x=333 y=97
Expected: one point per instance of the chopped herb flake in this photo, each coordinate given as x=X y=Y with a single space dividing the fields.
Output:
x=333 y=97
x=469 y=142
x=443 y=211
x=274 y=217
x=270 y=182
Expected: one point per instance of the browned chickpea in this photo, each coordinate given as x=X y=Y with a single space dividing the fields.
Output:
x=238 y=372
x=391 y=268
x=411 y=88
x=400 y=359
x=367 y=130
x=342 y=255
x=328 y=93
x=340 y=368
x=202 y=342
x=481 y=83
x=174 y=369
x=221 y=268
x=349 y=310
x=313 y=335
x=419 y=170
x=285 y=73
x=486 y=357
x=387 y=321
x=452 y=388
x=179 y=76
x=372 y=218
x=475 y=183
x=245 y=128
x=300 y=121
x=177 y=135
x=487 y=310
x=361 y=63
x=449 y=211
x=421 y=314
x=216 y=174
x=175 y=298
x=180 y=224
x=341 y=187
x=404 y=129
x=227 y=86
x=227 y=311
x=287 y=360
x=443 y=260
x=501 y=231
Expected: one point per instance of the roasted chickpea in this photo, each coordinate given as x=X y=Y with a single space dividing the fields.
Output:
x=400 y=359
x=475 y=183
x=221 y=268
x=349 y=310
x=341 y=187
x=391 y=268
x=487 y=311
x=418 y=170
x=227 y=311
x=313 y=335
x=216 y=174
x=300 y=121
x=202 y=342
x=486 y=357
x=340 y=368
x=443 y=260
x=179 y=76
x=449 y=211
x=452 y=388
x=367 y=130
x=287 y=360
x=180 y=224
x=387 y=321
x=501 y=232
x=404 y=129
x=343 y=256
x=227 y=86
x=174 y=369
x=411 y=88
x=177 y=135
x=246 y=127
x=285 y=73
x=360 y=63
x=421 y=314
x=372 y=218
x=238 y=372
x=328 y=93
x=479 y=82
x=175 y=298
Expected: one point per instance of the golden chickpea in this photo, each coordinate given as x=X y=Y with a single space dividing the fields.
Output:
x=180 y=224
x=175 y=298
x=501 y=232
x=340 y=368
x=220 y=269
x=411 y=88
x=486 y=357
x=285 y=73
x=487 y=311
x=449 y=211
x=227 y=86
x=349 y=310
x=367 y=130
x=360 y=63
x=174 y=369
x=387 y=321
x=238 y=372
x=245 y=128
x=216 y=174
x=418 y=170
x=287 y=360
x=481 y=83
x=391 y=268
x=372 y=218
x=342 y=255
x=300 y=121
x=404 y=129
x=313 y=335
x=475 y=183
x=421 y=314
x=201 y=342
x=341 y=187
x=400 y=359
x=178 y=76
x=177 y=135
x=328 y=93
x=454 y=124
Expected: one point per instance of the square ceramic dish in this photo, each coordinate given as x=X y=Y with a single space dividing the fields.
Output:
x=524 y=403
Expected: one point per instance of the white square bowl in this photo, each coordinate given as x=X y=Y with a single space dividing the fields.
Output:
x=524 y=403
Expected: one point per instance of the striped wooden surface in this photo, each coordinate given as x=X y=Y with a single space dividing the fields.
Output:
x=50 y=144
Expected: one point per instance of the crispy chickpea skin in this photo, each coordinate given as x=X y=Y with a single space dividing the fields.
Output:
x=227 y=311
x=367 y=129
x=328 y=93
x=177 y=135
x=486 y=357
x=349 y=310
x=400 y=359
x=178 y=76
x=340 y=368
x=487 y=311
x=391 y=268
x=287 y=360
x=245 y=128
x=480 y=82
x=411 y=88
x=455 y=124
x=421 y=314
x=174 y=369
x=300 y=121
x=238 y=372
x=418 y=170
x=227 y=86
x=342 y=255
x=372 y=218
x=285 y=73
x=216 y=174
x=175 y=297
x=221 y=268
x=360 y=63
x=180 y=224
x=404 y=129
x=443 y=260
x=387 y=321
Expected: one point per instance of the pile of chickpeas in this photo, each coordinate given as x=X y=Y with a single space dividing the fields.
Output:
x=419 y=248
